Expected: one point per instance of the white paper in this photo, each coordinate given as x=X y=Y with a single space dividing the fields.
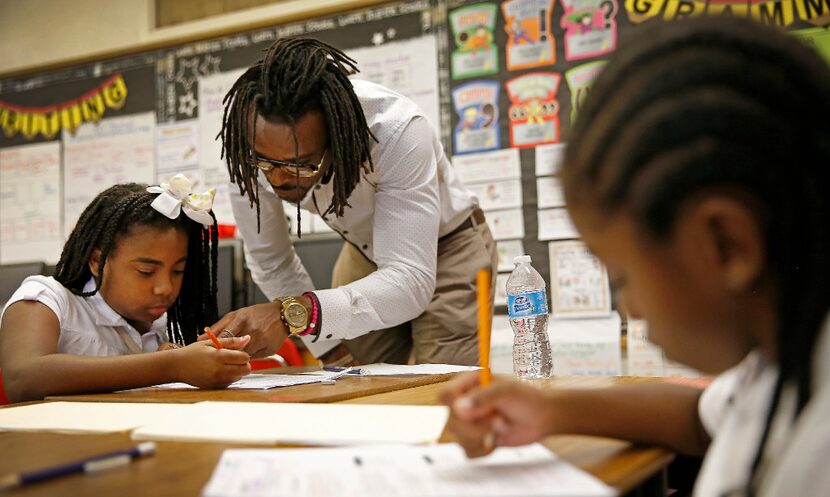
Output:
x=643 y=358
x=428 y=369
x=507 y=224
x=586 y=346
x=506 y=251
x=84 y=417
x=30 y=203
x=408 y=67
x=116 y=150
x=383 y=369
x=435 y=471
x=177 y=148
x=488 y=166
x=579 y=281
x=256 y=381
x=498 y=194
x=501 y=289
x=309 y=424
x=212 y=90
x=556 y=224
x=549 y=192
x=549 y=158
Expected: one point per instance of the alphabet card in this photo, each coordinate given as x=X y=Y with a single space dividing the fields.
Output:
x=579 y=282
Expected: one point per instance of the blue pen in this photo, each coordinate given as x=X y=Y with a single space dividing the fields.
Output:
x=93 y=464
x=335 y=369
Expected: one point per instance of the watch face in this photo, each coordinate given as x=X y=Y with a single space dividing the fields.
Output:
x=296 y=314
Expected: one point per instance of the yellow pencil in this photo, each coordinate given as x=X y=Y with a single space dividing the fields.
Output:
x=483 y=292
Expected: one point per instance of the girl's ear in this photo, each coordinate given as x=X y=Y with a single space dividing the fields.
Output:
x=94 y=261
x=734 y=241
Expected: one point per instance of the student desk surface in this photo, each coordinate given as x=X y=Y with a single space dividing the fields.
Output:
x=183 y=468
x=347 y=387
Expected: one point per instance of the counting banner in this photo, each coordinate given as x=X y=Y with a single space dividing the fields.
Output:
x=69 y=115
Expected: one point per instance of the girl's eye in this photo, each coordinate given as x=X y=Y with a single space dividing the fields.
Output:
x=144 y=273
x=178 y=271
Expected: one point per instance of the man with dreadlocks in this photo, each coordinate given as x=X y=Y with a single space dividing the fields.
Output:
x=366 y=159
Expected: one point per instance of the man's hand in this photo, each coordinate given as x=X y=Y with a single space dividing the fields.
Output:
x=261 y=321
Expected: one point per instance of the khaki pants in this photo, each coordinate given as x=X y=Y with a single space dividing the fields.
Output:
x=446 y=333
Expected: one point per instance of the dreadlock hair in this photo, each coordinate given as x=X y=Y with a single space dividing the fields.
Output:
x=720 y=103
x=297 y=76
x=113 y=214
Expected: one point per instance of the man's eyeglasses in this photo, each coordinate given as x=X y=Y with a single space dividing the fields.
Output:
x=303 y=170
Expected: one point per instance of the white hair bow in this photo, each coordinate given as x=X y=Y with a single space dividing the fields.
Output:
x=175 y=197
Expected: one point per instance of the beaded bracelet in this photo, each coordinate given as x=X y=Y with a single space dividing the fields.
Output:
x=316 y=315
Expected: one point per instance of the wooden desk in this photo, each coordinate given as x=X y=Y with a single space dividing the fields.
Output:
x=182 y=469
x=347 y=387
x=622 y=465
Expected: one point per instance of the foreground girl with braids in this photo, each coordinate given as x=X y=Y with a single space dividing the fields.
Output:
x=137 y=274
x=365 y=158
x=698 y=171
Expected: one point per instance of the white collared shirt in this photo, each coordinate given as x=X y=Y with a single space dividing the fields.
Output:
x=733 y=410
x=87 y=324
x=398 y=212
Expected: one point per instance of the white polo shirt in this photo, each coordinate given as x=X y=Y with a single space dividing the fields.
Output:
x=87 y=324
x=733 y=410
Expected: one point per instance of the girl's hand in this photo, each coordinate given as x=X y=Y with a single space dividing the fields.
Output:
x=507 y=413
x=202 y=365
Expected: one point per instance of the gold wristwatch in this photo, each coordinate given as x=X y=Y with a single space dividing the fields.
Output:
x=294 y=315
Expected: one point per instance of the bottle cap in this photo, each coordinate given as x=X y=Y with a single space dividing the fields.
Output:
x=521 y=259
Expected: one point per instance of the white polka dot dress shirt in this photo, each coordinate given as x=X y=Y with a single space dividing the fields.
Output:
x=398 y=211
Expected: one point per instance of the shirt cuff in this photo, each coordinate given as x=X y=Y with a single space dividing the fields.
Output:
x=336 y=309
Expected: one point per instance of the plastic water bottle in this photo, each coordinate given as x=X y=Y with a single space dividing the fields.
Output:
x=527 y=305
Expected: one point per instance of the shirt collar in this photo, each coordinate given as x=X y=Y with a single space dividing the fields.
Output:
x=104 y=314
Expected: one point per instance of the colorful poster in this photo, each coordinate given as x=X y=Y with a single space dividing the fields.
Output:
x=590 y=27
x=534 y=110
x=475 y=52
x=529 y=40
x=580 y=79
x=477 y=106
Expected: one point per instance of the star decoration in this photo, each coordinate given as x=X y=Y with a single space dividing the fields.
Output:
x=187 y=104
x=209 y=66
x=377 y=39
x=187 y=73
x=390 y=33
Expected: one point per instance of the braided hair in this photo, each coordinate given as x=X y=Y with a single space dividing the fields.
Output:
x=298 y=76
x=113 y=214
x=720 y=102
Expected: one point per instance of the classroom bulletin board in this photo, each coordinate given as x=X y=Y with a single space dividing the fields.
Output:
x=501 y=80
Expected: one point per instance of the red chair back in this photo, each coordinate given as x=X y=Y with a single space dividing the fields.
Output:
x=3 y=399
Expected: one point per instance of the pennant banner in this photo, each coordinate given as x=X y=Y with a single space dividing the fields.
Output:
x=48 y=121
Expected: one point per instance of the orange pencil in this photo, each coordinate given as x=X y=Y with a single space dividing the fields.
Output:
x=483 y=293
x=214 y=339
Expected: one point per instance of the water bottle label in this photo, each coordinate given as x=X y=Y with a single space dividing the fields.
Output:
x=527 y=304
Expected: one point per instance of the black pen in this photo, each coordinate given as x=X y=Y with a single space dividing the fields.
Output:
x=335 y=369
x=92 y=464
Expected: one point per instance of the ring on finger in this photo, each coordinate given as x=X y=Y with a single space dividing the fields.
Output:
x=226 y=333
